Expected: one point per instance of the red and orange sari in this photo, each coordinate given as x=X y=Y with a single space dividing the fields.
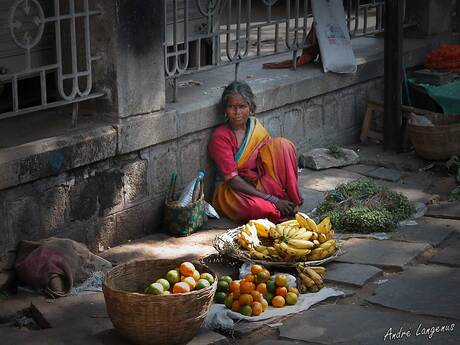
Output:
x=270 y=165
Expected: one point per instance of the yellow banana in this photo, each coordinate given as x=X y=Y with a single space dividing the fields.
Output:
x=306 y=280
x=292 y=222
x=316 y=243
x=301 y=220
x=313 y=257
x=292 y=231
x=243 y=243
x=319 y=269
x=317 y=251
x=313 y=275
x=262 y=225
x=280 y=230
x=322 y=238
x=314 y=288
x=275 y=257
x=326 y=245
x=300 y=244
x=314 y=236
x=273 y=233
x=272 y=251
x=246 y=237
x=261 y=249
x=325 y=225
x=258 y=255
x=303 y=235
x=331 y=250
x=306 y=221
x=293 y=251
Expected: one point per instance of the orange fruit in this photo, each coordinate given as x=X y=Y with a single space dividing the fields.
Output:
x=291 y=298
x=245 y=299
x=236 y=305
x=278 y=301
x=281 y=280
x=196 y=275
x=262 y=277
x=250 y=278
x=247 y=287
x=262 y=288
x=267 y=273
x=181 y=287
x=264 y=303
x=257 y=308
x=294 y=290
x=234 y=287
x=281 y=291
x=190 y=281
x=256 y=296
x=186 y=269
x=256 y=269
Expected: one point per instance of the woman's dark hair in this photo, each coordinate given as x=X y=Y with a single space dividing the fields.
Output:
x=239 y=88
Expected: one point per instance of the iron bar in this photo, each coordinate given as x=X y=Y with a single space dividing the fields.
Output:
x=393 y=75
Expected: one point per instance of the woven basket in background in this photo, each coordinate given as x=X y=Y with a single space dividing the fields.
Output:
x=149 y=319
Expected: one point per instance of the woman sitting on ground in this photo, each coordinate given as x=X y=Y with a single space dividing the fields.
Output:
x=259 y=173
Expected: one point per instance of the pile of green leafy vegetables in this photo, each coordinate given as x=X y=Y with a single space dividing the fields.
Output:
x=362 y=206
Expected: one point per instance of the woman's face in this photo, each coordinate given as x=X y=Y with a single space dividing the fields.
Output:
x=237 y=111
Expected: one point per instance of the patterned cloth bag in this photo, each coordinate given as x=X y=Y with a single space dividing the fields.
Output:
x=184 y=220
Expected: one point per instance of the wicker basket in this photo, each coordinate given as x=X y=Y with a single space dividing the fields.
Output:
x=226 y=244
x=439 y=142
x=149 y=319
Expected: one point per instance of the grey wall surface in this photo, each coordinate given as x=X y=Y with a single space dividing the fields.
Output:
x=119 y=199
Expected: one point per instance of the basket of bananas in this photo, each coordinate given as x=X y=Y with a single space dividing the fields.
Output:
x=284 y=244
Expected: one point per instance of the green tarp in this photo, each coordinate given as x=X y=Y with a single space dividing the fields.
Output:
x=447 y=96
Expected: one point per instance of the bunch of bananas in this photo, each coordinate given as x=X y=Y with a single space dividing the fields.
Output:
x=247 y=238
x=295 y=240
x=310 y=278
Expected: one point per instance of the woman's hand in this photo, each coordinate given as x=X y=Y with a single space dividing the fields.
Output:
x=286 y=207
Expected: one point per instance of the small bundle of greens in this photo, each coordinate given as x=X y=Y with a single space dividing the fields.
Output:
x=363 y=207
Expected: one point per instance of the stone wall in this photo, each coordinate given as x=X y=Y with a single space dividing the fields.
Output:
x=120 y=199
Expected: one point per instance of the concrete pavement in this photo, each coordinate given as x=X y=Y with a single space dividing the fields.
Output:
x=401 y=290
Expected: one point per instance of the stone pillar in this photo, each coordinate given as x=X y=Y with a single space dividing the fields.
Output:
x=128 y=36
x=432 y=16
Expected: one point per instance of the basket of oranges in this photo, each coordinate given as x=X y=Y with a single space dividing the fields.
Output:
x=148 y=300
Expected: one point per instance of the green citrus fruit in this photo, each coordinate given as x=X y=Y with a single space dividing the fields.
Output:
x=156 y=289
x=271 y=286
x=222 y=285
x=219 y=297
x=201 y=284
x=173 y=277
x=229 y=300
x=291 y=298
x=261 y=277
x=269 y=297
x=246 y=310
x=208 y=277
x=228 y=279
x=165 y=283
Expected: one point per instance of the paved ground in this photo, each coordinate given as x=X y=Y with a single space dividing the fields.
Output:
x=400 y=290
